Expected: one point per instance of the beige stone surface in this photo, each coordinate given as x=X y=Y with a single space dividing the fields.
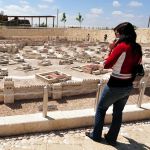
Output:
x=20 y=124
x=80 y=34
x=132 y=136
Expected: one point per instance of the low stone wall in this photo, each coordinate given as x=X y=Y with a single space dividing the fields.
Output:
x=58 y=120
x=1 y=97
x=77 y=88
x=143 y=34
x=32 y=92
x=55 y=91
x=9 y=92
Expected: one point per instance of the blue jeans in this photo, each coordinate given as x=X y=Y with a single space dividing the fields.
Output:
x=117 y=96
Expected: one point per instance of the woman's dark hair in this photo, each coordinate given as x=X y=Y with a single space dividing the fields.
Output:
x=128 y=35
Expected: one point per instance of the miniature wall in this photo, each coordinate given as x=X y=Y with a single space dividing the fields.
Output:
x=1 y=95
x=32 y=92
x=82 y=87
x=143 y=34
x=58 y=90
x=55 y=91
x=32 y=32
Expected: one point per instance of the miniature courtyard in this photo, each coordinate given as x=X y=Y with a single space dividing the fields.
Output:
x=26 y=67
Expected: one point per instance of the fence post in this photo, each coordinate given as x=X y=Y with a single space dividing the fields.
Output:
x=45 y=101
x=142 y=88
x=97 y=96
x=99 y=91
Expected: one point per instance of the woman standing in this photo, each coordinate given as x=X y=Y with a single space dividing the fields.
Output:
x=125 y=54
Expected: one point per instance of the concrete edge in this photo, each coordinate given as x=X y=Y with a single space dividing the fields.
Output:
x=56 y=120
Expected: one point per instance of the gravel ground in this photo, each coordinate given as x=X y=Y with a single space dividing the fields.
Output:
x=131 y=137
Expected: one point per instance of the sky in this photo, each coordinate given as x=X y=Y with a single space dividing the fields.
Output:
x=95 y=13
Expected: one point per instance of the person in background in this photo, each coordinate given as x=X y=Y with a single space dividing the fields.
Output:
x=125 y=54
x=105 y=37
x=88 y=37
x=114 y=43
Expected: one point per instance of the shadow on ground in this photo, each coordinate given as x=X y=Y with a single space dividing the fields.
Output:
x=132 y=145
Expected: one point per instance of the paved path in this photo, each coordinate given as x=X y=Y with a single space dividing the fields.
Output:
x=133 y=136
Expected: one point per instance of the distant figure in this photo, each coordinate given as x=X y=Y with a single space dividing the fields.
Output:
x=105 y=37
x=88 y=37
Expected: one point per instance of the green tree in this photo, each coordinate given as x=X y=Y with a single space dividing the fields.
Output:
x=64 y=19
x=79 y=18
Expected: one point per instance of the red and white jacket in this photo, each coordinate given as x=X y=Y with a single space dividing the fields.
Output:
x=121 y=60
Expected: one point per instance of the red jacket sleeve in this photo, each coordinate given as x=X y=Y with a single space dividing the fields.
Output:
x=112 y=58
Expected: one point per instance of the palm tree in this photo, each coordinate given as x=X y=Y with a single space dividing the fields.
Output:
x=79 y=18
x=64 y=18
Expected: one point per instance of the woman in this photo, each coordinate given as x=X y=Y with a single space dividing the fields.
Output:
x=125 y=54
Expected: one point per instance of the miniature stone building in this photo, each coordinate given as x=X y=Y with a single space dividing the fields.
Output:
x=19 y=58
x=4 y=59
x=66 y=62
x=32 y=54
x=53 y=77
x=8 y=91
x=57 y=91
x=3 y=72
x=45 y=62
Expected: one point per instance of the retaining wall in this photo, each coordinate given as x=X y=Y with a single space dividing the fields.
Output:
x=143 y=34
x=32 y=92
x=55 y=91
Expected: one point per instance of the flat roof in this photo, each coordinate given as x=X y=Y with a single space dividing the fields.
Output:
x=33 y=16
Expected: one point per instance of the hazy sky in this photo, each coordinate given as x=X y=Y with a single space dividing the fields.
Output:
x=96 y=13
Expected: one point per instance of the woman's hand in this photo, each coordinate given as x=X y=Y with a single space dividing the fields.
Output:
x=101 y=66
x=95 y=66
